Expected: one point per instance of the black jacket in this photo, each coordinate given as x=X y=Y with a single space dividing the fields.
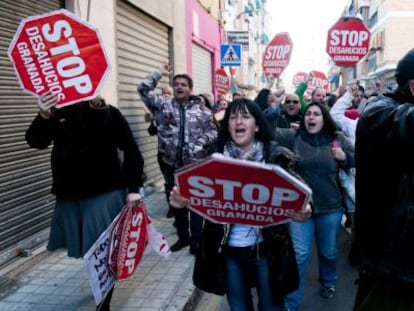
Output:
x=209 y=270
x=277 y=117
x=384 y=150
x=85 y=156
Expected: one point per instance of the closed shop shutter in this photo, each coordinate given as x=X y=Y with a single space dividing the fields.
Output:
x=25 y=179
x=202 y=73
x=142 y=43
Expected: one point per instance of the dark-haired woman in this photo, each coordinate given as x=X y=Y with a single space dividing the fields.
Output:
x=323 y=151
x=233 y=258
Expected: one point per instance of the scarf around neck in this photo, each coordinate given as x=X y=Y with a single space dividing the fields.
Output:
x=254 y=154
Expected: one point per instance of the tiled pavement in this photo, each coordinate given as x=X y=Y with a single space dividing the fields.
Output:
x=58 y=282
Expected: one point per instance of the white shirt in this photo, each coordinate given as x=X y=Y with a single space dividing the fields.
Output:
x=347 y=125
x=244 y=235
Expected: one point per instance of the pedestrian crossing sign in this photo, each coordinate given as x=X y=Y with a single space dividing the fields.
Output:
x=230 y=55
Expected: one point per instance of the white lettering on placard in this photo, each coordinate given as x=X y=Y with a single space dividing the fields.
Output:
x=133 y=245
x=348 y=37
x=71 y=67
x=277 y=51
x=222 y=79
x=254 y=193
x=318 y=82
x=348 y=50
x=41 y=57
x=240 y=207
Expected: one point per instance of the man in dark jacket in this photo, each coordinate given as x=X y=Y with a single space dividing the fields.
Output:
x=384 y=155
x=185 y=131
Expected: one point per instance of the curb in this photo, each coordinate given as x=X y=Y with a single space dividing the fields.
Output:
x=19 y=265
x=10 y=271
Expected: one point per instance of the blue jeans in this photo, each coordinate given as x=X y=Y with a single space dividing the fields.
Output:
x=246 y=268
x=324 y=228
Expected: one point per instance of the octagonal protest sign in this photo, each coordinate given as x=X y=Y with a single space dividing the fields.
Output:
x=276 y=56
x=226 y=190
x=319 y=80
x=348 y=41
x=222 y=81
x=298 y=78
x=60 y=52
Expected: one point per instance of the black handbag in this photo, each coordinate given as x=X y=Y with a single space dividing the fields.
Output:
x=152 y=128
x=283 y=269
x=209 y=272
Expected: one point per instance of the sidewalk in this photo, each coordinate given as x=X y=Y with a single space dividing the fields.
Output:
x=58 y=282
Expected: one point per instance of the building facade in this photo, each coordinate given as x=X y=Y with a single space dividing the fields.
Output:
x=137 y=35
x=392 y=35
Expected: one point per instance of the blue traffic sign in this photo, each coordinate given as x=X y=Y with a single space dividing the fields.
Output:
x=230 y=55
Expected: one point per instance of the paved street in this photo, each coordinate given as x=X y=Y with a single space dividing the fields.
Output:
x=59 y=282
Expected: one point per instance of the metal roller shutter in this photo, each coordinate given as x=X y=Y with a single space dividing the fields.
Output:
x=25 y=200
x=202 y=74
x=142 y=43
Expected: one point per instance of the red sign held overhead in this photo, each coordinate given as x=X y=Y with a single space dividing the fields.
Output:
x=222 y=81
x=59 y=52
x=298 y=78
x=276 y=57
x=348 y=41
x=226 y=190
x=319 y=79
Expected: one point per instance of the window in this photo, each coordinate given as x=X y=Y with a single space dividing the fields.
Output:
x=373 y=20
x=372 y=63
x=351 y=10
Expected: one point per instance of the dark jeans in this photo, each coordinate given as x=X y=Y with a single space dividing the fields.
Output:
x=373 y=295
x=246 y=268
x=163 y=168
x=182 y=223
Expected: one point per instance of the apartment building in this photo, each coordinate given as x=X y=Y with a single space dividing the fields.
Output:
x=392 y=35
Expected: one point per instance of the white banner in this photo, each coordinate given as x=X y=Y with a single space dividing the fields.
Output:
x=96 y=263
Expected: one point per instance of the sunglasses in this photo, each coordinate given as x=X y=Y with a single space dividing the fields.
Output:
x=291 y=102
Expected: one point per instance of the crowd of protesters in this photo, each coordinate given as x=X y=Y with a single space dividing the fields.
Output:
x=362 y=132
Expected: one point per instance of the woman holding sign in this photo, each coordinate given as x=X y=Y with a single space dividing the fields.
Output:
x=90 y=181
x=234 y=258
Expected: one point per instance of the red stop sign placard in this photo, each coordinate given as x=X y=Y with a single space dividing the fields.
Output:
x=59 y=52
x=348 y=41
x=128 y=241
x=319 y=79
x=225 y=190
x=298 y=78
x=276 y=56
x=222 y=81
